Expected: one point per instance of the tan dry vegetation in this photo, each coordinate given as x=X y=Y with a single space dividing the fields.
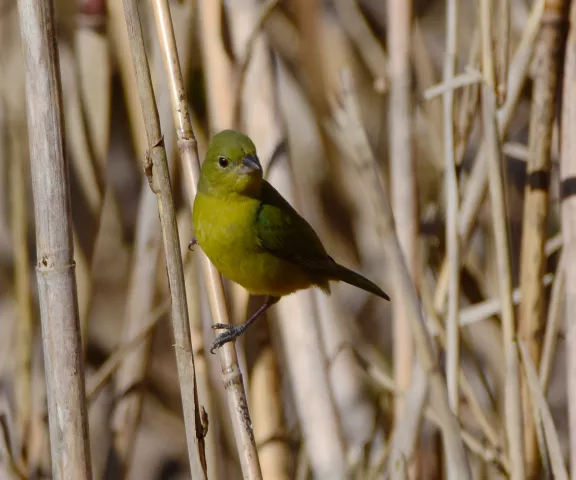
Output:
x=430 y=144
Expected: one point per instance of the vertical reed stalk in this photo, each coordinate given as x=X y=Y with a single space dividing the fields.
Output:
x=513 y=406
x=452 y=199
x=55 y=269
x=156 y=167
x=547 y=61
x=568 y=206
x=403 y=180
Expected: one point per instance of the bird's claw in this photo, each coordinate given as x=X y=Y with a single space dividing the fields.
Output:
x=232 y=334
x=223 y=326
x=192 y=243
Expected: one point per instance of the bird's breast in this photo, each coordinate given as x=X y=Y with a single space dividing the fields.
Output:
x=226 y=233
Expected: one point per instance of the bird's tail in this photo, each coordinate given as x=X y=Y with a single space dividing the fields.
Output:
x=349 y=276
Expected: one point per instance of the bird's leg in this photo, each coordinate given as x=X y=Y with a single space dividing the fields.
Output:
x=233 y=332
x=192 y=243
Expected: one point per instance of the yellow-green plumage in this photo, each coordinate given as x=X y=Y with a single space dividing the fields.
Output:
x=251 y=233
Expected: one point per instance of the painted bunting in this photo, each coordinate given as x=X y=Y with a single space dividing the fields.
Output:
x=253 y=236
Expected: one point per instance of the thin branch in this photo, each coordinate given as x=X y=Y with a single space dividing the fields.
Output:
x=469 y=77
x=156 y=167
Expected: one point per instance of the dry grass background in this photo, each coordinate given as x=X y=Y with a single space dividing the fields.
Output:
x=431 y=145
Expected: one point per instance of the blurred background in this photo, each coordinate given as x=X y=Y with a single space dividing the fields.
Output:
x=305 y=79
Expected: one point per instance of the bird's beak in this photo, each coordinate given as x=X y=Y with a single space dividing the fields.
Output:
x=250 y=163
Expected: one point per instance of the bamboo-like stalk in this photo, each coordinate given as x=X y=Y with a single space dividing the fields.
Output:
x=478 y=182
x=156 y=167
x=568 y=208
x=547 y=61
x=403 y=181
x=377 y=202
x=452 y=199
x=513 y=405
x=231 y=374
x=55 y=270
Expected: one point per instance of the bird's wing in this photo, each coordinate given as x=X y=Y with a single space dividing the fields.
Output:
x=284 y=233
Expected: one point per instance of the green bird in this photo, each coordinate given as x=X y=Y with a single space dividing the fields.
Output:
x=253 y=236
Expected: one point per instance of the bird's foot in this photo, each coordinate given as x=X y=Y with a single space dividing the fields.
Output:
x=192 y=243
x=230 y=335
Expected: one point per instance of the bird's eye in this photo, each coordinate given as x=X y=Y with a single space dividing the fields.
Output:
x=223 y=162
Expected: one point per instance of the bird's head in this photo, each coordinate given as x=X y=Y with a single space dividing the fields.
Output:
x=231 y=165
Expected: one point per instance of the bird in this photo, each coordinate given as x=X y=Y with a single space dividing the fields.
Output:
x=253 y=236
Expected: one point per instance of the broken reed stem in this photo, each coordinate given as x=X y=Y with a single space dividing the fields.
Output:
x=231 y=374
x=452 y=206
x=156 y=167
x=547 y=61
x=64 y=367
x=403 y=182
x=568 y=210
x=377 y=201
